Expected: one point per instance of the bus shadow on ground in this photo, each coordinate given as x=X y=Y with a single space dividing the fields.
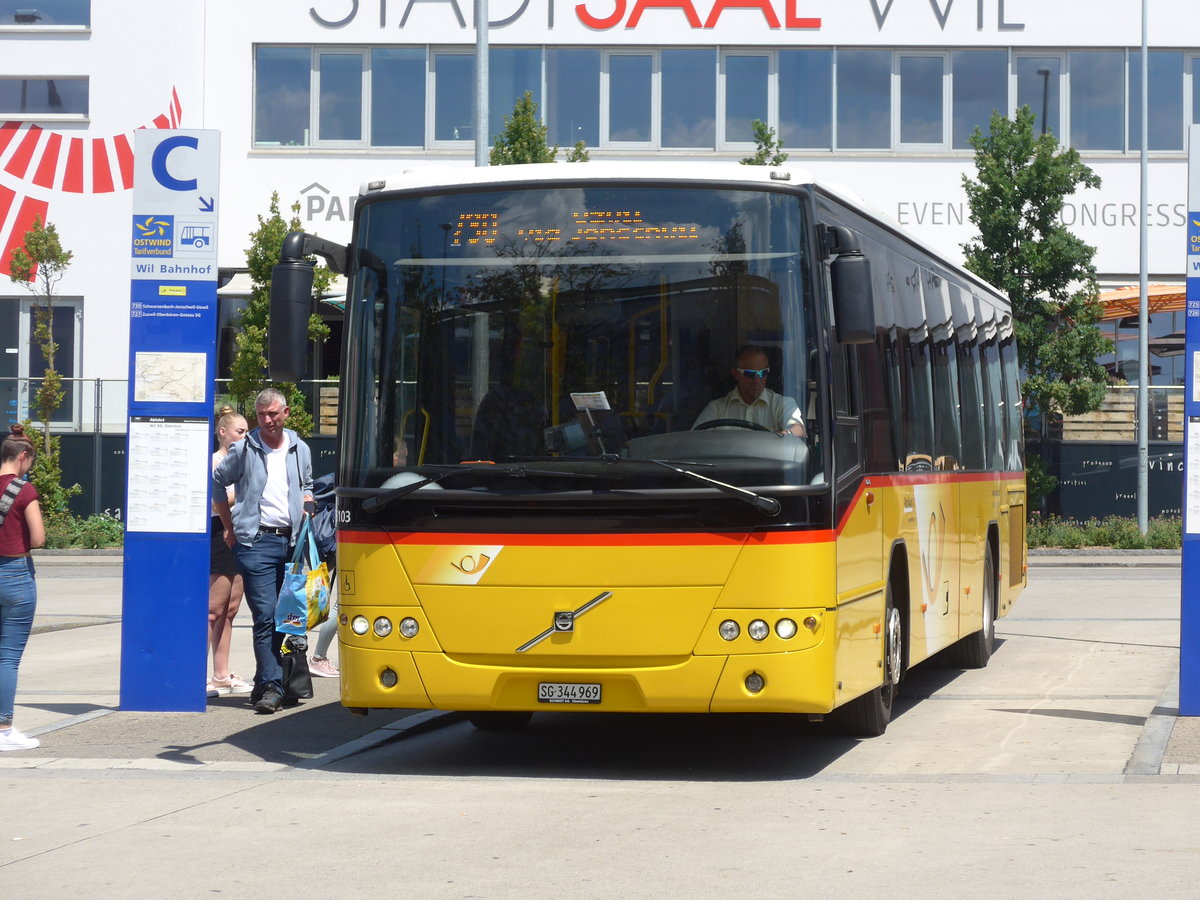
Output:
x=634 y=746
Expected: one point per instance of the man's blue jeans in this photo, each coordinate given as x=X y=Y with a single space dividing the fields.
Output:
x=262 y=564
x=18 y=599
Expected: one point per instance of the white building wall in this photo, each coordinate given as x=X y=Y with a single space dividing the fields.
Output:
x=140 y=54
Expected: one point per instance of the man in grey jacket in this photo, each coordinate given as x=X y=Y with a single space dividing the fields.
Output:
x=271 y=471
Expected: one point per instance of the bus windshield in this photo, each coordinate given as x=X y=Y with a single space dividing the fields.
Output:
x=565 y=325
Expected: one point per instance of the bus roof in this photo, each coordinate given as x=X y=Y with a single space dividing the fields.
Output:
x=726 y=172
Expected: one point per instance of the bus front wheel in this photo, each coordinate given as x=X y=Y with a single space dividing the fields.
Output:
x=869 y=715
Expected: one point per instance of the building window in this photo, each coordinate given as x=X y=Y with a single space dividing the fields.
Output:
x=35 y=13
x=1098 y=100
x=398 y=97
x=630 y=97
x=511 y=72
x=282 y=88
x=864 y=99
x=29 y=97
x=806 y=98
x=746 y=80
x=340 y=89
x=689 y=98
x=454 y=97
x=1038 y=88
x=1166 y=100
x=922 y=100
x=573 y=96
x=980 y=89
x=1196 y=90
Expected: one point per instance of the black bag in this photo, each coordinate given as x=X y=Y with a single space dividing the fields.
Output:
x=297 y=679
x=324 y=521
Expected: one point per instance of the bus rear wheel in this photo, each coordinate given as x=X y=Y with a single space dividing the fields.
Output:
x=974 y=650
x=869 y=715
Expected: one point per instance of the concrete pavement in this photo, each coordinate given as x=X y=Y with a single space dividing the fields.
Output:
x=69 y=688
x=1049 y=773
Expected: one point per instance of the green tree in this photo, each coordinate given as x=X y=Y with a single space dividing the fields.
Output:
x=248 y=373
x=38 y=264
x=769 y=148
x=523 y=139
x=1048 y=273
x=578 y=153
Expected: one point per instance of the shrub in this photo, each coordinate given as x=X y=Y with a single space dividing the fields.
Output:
x=91 y=533
x=1117 y=532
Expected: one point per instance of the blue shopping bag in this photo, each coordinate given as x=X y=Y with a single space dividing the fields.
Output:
x=303 y=602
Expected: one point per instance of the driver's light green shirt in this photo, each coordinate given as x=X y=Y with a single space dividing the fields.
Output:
x=771 y=410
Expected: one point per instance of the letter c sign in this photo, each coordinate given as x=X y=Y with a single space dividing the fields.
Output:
x=158 y=164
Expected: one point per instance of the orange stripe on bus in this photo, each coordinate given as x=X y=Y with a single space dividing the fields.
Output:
x=588 y=540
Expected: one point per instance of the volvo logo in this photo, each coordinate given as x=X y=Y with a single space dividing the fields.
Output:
x=564 y=621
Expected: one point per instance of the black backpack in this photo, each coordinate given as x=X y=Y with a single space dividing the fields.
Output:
x=324 y=522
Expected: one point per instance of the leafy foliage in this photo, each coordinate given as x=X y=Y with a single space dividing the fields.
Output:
x=578 y=153
x=769 y=148
x=90 y=533
x=1048 y=273
x=39 y=264
x=1117 y=532
x=249 y=367
x=523 y=139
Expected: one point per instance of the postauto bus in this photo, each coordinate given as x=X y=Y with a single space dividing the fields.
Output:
x=533 y=515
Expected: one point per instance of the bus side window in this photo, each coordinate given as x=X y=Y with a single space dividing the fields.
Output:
x=846 y=450
x=946 y=435
x=971 y=384
x=879 y=451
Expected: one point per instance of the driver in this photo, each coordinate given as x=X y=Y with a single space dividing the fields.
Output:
x=751 y=400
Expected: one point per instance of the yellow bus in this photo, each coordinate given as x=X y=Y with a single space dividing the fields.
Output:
x=539 y=509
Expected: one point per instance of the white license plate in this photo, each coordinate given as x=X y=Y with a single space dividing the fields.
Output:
x=560 y=692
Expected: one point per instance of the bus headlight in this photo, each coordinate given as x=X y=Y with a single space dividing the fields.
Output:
x=388 y=678
x=786 y=628
x=729 y=630
x=409 y=627
x=755 y=682
x=383 y=626
x=360 y=625
x=758 y=630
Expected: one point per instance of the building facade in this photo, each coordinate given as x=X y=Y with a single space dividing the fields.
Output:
x=312 y=99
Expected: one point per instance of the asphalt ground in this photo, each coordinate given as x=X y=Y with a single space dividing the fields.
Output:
x=68 y=694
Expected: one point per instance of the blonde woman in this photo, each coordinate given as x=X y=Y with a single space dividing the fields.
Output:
x=224 y=579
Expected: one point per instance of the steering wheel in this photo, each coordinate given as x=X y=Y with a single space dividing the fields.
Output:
x=732 y=423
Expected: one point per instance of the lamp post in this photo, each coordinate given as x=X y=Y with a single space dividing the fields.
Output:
x=481 y=82
x=1143 y=391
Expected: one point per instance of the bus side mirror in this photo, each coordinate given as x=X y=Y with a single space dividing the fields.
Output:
x=291 y=305
x=853 y=302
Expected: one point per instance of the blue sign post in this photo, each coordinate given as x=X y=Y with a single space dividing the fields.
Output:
x=172 y=365
x=1189 y=612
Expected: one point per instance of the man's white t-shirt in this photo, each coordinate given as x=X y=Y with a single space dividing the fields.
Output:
x=273 y=509
x=770 y=410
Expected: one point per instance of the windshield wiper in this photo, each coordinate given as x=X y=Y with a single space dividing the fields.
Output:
x=508 y=471
x=766 y=505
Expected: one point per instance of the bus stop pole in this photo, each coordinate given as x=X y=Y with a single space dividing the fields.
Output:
x=1189 y=611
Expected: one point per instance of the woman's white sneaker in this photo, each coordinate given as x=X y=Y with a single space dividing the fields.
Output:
x=14 y=740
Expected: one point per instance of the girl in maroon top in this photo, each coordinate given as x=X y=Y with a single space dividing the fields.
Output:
x=21 y=530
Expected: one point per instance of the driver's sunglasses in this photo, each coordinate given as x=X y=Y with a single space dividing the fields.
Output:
x=754 y=373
